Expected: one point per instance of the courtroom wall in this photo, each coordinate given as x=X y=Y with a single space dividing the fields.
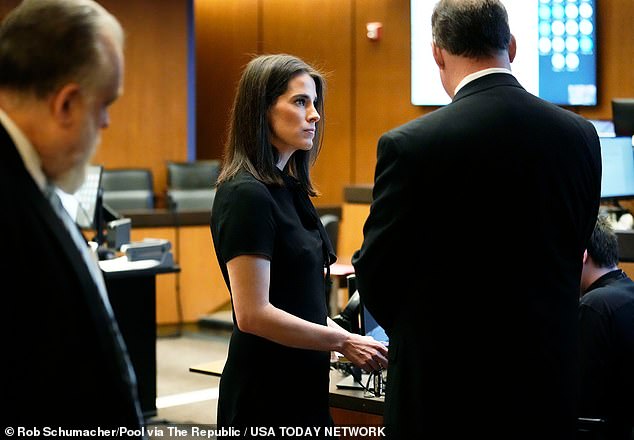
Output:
x=369 y=81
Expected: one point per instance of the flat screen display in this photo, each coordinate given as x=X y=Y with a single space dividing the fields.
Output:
x=623 y=116
x=369 y=326
x=82 y=205
x=617 y=158
x=556 y=51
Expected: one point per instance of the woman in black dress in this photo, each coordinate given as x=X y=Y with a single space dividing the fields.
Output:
x=272 y=251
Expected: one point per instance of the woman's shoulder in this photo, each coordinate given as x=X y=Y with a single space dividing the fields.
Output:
x=242 y=180
x=243 y=185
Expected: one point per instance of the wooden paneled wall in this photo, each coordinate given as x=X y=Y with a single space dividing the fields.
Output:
x=318 y=31
x=226 y=37
x=230 y=32
x=149 y=122
x=369 y=82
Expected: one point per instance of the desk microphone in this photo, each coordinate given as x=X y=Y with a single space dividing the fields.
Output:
x=377 y=383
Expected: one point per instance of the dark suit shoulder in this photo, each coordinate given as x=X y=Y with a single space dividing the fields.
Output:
x=420 y=129
x=611 y=296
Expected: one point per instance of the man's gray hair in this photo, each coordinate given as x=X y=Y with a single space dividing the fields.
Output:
x=45 y=44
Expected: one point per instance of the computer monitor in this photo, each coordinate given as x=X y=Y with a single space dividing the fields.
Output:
x=604 y=127
x=369 y=326
x=623 y=116
x=84 y=204
x=557 y=51
x=88 y=197
x=358 y=379
x=617 y=158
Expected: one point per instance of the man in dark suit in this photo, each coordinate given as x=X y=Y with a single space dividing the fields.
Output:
x=64 y=361
x=472 y=251
x=606 y=322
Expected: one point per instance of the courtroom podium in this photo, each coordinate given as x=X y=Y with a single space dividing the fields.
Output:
x=132 y=294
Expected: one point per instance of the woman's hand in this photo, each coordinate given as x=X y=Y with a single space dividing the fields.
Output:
x=365 y=352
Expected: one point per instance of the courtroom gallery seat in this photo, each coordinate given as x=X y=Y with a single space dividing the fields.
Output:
x=192 y=185
x=331 y=225
x=128 y=188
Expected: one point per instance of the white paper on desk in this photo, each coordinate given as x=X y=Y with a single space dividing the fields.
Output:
x=122 y=263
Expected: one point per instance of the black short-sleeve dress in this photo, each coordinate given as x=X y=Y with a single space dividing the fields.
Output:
x=265 y=384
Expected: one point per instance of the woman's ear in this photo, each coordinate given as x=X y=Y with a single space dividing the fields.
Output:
x=65 y=104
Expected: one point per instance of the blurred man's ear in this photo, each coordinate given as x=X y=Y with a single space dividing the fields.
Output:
x=438 y=56
x=585 y=256
x=65 y=104
x=512 y=48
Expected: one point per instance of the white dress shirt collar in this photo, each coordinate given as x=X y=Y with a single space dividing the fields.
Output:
x=31 y=159
x=479 y=74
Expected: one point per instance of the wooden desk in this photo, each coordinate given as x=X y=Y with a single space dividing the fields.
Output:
x=199 y=286
x=354 y=212
x=213 y=368
x=347 y=407
x=339 y=271
x=353 y=407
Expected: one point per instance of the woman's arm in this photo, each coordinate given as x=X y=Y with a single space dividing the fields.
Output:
x=250 y=280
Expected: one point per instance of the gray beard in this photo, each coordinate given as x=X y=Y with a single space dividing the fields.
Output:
x=71 y=180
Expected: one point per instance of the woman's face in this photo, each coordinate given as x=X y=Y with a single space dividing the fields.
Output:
x=293 y=117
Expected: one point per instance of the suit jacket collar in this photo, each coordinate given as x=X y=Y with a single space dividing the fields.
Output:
x=30 y=157
x=14 y=169
x=606 y=279
x=487 y=82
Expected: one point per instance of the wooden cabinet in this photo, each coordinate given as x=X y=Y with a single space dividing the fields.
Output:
x=198 y=288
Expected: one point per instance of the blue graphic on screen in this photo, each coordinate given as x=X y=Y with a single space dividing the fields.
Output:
x=567 y=51
x=617 y=158
x=372 y=328
x=556 y=56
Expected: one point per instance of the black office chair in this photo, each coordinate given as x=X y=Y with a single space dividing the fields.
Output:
x=199 y=174
x=331 y=225
x=191 y=199
x=128 y=188
x=192 y=185
x=623 y=116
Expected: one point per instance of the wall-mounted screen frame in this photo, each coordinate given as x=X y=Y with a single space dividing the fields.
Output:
x=617 y=177
x=556 y=51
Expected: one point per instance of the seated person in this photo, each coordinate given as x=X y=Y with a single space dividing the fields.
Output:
x=606 y=319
